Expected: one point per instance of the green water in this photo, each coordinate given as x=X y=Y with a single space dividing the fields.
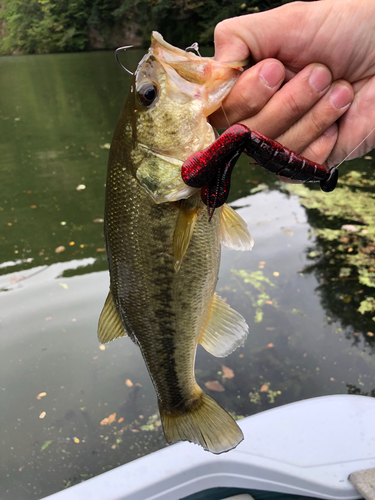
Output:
x=57 y=116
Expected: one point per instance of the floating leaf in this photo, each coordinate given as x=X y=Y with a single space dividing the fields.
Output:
x=108 y=420
x=64 y=285
x=349 y=227
x=80 y=187
x=98 y=220
x=102 y=347
x=270 y=345
x=120 y=420
x=214 y=385
x=264 y=388
x=45 y=445
x=41 y=395
x=76 y=440
x=128 y=382
x=228 y=372
x=60 y=249
x=43 y=414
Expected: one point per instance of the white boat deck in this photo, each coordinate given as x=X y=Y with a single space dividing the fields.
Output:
x=305 y=448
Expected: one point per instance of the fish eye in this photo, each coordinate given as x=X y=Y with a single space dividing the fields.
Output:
x=147 y=94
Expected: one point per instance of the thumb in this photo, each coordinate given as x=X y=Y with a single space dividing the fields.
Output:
x=229 y=46
x=269 y=34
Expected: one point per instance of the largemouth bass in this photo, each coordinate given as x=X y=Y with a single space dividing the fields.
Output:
x=163 y=253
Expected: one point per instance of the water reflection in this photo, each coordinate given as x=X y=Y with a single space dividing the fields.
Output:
x=71 y=410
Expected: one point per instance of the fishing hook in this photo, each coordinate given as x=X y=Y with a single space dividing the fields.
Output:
x=117 y=59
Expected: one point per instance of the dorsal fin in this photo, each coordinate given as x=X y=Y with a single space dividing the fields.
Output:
x=225 y=329
x=110 y=326
x=233 y=230
x=183 y=232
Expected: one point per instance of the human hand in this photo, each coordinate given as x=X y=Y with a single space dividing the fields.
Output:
x=301 y=35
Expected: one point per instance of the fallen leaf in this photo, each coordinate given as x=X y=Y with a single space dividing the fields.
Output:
x=214 y=385
x=270 y=328
x=269 y=302
x=43 y=414
x=80 y=187
x=134 y=430
x=276 y=273
x=100 y=249
x=21 y=468
x=41 y=395
x=108 y=420
x=228 y=372
x=64 y=285
x=102 y=347
x=241 y=356
x=95 y=357
x=60 y=249
x=128 y=382
x=332 y=379
x=32 y=206
x=370 y=334
x=368 y=157
x=45 y=445
x=270 y=345
x=98 y=220
x=264 y=388
x=111 y=418
x=76 y=440
x=105 y=146
x=71 y=243
x=120 y=420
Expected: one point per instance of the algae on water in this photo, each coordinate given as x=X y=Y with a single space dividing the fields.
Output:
x=344 y=227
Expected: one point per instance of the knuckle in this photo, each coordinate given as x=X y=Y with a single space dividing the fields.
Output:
x=293 y=107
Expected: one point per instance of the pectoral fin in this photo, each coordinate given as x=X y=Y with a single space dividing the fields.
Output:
x=233 y=230
x=110 y=325
x=183 y=232
x=225 y=330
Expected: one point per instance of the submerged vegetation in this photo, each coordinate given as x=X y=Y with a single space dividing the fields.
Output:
x=43 y=26
x=343 y=254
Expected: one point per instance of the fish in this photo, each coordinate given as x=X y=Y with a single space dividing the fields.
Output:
x=163 y=252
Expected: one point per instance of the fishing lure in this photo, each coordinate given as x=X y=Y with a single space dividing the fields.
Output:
x=211 y=168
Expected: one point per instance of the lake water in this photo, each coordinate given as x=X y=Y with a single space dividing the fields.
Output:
x=71 y=410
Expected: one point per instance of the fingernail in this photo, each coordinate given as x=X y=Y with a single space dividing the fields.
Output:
x=272 y=73
x=340 y=97
x=331 y=131
x=320 y=79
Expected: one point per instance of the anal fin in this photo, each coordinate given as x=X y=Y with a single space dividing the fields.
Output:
x=225 y=329
x=110 y=326
x=233 y=230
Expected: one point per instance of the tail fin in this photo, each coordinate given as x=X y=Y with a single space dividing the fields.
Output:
x=207 y=424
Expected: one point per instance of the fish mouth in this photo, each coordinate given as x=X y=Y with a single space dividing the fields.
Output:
x=212 y=80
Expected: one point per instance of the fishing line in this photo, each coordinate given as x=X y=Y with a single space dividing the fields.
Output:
x=117 y=59
x=360 y=144
x=225 y=115
x=194 y=46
